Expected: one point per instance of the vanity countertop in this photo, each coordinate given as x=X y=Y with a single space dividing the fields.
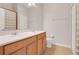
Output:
x=6 y=39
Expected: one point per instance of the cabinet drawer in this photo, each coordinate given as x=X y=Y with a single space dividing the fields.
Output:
x=41 y=35
x=17 y=45
x=32 y=39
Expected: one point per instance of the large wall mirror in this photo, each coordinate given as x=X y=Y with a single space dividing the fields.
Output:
x=7 y=20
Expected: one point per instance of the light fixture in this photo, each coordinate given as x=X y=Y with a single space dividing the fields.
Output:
x=31 y=5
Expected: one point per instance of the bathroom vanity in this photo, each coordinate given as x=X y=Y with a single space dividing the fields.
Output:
x=23 y=44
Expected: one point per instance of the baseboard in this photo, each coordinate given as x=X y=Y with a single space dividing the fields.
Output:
x=67 y=46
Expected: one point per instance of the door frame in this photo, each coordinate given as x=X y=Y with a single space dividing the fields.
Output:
x=74 y=28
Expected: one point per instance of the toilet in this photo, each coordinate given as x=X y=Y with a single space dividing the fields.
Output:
x=49 y=41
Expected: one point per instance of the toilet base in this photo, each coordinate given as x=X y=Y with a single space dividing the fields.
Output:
x=49 y=42
x=49 y=46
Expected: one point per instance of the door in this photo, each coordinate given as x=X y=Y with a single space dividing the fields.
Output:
x=74 y=28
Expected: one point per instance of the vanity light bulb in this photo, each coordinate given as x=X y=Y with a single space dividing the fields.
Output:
x=32 y=4
x=29 y=4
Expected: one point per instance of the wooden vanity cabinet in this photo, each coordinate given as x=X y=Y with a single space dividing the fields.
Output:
x=34 y=45
x=22 y=47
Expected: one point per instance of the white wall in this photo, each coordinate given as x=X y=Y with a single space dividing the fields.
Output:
x=57 y=22
x=22 y=17
x=35 y=17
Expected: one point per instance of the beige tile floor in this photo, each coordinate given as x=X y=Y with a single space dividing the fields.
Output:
x=58 y=50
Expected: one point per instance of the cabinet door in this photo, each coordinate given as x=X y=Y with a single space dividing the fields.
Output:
x=1 y=50
x=20 y=52
x=31 y=49
x=40 y=46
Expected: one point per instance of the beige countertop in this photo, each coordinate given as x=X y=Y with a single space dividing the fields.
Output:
x=9 y=38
